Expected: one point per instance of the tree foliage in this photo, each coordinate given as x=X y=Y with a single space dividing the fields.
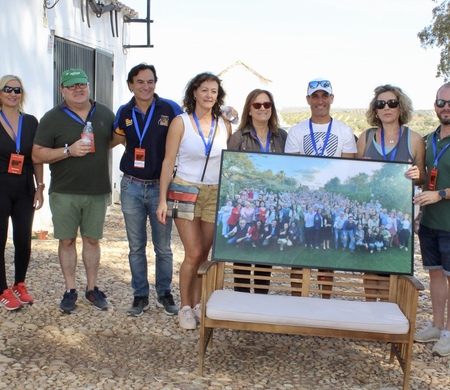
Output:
x=422 y=121
x=437 y=35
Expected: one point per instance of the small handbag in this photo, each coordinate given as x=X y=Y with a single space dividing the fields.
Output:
x=181 y=199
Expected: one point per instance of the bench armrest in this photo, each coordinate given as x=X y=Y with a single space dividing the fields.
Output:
x=407 y=296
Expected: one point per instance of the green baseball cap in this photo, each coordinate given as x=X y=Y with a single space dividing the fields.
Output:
x=73 y=76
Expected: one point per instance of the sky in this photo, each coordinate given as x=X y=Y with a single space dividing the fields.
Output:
x=355 y=44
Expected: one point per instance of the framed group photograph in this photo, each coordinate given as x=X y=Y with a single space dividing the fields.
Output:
x=314 y=212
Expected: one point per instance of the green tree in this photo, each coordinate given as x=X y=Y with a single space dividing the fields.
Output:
x=437 y=35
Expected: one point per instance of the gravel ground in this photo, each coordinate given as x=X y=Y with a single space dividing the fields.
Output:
x=40 y=348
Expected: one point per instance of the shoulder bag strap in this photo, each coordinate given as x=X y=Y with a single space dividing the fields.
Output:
x=209 y=151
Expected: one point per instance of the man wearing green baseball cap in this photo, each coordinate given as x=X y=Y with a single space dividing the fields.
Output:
x=80 y=186
x=73 y=76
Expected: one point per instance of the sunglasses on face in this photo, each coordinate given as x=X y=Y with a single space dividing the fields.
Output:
x=392 y=103
x=441 y=103
x=16 y=90
x=266 y=105
x=74 y=86
x=322 y=83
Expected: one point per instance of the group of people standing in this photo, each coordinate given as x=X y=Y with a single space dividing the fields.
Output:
x=155 y=133
x=313 y=219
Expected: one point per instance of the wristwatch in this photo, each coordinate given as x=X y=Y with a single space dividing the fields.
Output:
x=443 y=194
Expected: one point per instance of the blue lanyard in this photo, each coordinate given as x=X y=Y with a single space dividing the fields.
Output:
x=394 y=152
x=311 y=132
x=261 y=148
x=19 y=130
x=438 y=157
x=147 y=123
x=207 y=145
x=76 y=117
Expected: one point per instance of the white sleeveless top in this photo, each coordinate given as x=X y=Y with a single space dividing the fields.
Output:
x=191 y=154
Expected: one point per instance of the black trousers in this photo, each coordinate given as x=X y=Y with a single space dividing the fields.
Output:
x=16 y=202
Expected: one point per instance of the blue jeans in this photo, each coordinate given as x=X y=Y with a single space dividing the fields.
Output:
x=348 y=236
x=139 y=201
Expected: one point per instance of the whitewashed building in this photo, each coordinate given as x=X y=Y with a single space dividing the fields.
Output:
x=42 y=38
x=239 y=80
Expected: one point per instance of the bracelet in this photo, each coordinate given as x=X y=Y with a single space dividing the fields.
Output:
x=67 y=151
x=41 y=185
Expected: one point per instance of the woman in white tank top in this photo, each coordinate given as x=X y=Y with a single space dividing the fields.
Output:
x=190 y=136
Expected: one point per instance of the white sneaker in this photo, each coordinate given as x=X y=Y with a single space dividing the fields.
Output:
x=197 y=310
x=442 y=347
x=430 y=333
x=186 y=318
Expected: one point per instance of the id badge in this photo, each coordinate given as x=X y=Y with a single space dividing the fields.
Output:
x=433 y=178
x=139 y=158
x=16 y=164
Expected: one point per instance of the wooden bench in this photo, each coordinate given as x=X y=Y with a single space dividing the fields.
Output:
x=345 y=315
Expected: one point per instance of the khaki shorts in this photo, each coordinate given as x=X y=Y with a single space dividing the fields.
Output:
x=70 y=212
x=206 y=205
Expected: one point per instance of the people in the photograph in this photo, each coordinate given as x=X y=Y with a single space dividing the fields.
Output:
x=309 y=226
x=271 y=233
x=256 y=233
x=348 y=233
x=142 y=125
x=21 y=188
x=318 y=225
x=327 y=228
x=404 y=233
x=434 y=229
x=234 y=217
x=258 y=131
x=359 y=236
x=283 y=236
x=379 y=239
x=79 y=187
x=338 y=227
x=386 y=236
x=248 y=212
x=294 y=234
x=224 y=216
x=193 y=136
x=239 y=234
x=369 y=240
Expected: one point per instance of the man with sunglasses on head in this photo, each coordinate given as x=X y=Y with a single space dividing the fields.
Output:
x=80 y=186
x=321 y=135
x=434 y=228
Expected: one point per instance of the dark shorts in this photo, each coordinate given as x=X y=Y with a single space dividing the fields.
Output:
x=435 y=249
